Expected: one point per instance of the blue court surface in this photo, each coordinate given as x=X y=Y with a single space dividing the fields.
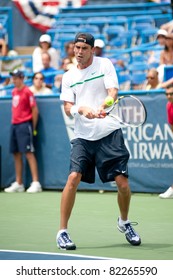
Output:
x=22 y=255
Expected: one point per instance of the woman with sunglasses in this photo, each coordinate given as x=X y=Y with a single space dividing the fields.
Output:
x=38 y=87
x=152 y=80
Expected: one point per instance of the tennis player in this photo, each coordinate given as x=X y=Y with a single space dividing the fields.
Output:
x=169 y=94
x=98 y=140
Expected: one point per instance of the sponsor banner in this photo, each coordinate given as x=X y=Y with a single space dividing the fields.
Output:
x=150 y=147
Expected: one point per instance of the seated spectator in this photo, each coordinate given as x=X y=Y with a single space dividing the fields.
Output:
x=166 y=56
x=152 y=80
x=69 y=52
x=3 y=50
x=65 y=66
x=38 y=87
x=48 y=71
x=155 y=54
x=168 y=26
x=44 y=46
x=167 y=83
x=12 y=63
x=3 y=83
x=3 y=47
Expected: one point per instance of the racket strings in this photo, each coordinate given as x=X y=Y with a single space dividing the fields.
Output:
x=129 y=111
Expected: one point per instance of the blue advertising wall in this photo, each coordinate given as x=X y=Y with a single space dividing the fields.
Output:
x=150 y=147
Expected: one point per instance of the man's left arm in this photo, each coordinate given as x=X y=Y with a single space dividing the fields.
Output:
x=35 y=114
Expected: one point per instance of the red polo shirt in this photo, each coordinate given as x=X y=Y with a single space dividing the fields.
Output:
x=170 y=112
x=22 y=103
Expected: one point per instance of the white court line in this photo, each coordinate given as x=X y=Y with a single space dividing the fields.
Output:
x=59 y=254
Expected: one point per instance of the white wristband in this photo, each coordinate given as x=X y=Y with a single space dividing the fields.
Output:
x=73 y=110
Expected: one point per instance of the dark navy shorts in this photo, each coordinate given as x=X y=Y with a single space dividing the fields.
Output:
x=109 y=155
x=21 y=138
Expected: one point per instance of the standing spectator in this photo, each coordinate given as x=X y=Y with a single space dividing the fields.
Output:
x=38 y=87
x=48 y=71
x=98 y=142
x=44 y=46
x=24 y=122
x=169 y=108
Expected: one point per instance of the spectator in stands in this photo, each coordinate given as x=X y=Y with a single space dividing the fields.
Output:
x=48 y=71
x=3 y=83
x=44 y=46
x=69 y=52
x=3 y=50
x=169 y=94
x=3 y=47
x=12 y=62
x=38 y=87
x=166 y=56
x=155 y=54
x=99 y=47
x=152 y=80
x=65 y=66
x=168 y=26
x=99 y=51
x=24 y=122
x=167 y=83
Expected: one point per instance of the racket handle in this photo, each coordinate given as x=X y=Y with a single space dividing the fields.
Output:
x=103 y=114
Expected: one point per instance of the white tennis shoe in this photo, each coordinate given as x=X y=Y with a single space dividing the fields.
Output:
x=15 y=187
x=64 y=241
x=132 y=237
x=34 y=187
x=167 y=194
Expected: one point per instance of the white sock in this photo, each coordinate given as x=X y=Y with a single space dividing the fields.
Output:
x=61 y=231
x=122 y=222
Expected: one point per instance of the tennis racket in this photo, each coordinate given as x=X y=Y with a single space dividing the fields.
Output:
x=128 y=110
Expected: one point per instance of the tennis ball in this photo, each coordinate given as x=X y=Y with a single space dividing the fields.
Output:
x=35 y=132
x=109 y=101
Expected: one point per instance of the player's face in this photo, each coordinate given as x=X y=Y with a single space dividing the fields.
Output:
x=84 y=54
x=169 y=94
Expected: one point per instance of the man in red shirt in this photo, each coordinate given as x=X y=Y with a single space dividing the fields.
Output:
x=24 y=121
x=169 y=107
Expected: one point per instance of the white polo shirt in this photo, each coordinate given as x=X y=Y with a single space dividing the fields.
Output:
x=88 y=87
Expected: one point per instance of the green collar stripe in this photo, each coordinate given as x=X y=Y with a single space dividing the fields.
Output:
x=87 y=80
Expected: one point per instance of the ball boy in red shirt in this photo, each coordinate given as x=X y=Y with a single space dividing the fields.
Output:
x=23 y=127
